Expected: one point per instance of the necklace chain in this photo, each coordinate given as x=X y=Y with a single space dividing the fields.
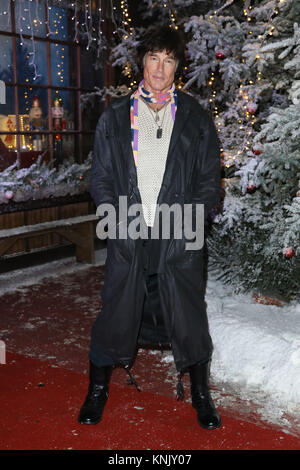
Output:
x=156 y=118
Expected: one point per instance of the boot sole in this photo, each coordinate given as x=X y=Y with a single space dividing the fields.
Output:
x=210 y=428
x=88 y=421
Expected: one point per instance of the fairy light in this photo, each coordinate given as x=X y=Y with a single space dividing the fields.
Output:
x=28 y=21
x=88 y=23
x=4 y=13
x=211 y=80
x=60 y=50
x=76 y=22
x=126 y=21
x=32 y=63
x=19 y=19
x=22 y=129
x=100 y=21
x=49 y=33
x=250 y=117
x=91 y=25
x=127 y=33
x=172 y=14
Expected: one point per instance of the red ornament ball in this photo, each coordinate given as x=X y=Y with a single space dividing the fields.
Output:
x=220 y=55
x=289 y=252
x=251 y=188
x=256 y=151
x=251 y=108
x=9 y=194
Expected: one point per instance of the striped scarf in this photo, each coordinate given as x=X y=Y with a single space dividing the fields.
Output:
x=149 y=98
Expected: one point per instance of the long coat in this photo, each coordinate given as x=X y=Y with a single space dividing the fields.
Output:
x=192 y=175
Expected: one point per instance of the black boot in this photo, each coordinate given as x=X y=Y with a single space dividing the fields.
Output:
x=92 y=408
x=208 y=416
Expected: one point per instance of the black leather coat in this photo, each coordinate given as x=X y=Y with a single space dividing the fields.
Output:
x=192 y=175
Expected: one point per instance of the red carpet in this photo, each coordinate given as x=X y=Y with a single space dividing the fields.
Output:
x=46 y=330
x=40 y=403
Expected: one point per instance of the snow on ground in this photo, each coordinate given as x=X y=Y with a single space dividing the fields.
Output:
x=20 y=278
x=256 y=354
x=256 y=347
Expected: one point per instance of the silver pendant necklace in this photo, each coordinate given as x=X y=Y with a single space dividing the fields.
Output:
x=159 y=131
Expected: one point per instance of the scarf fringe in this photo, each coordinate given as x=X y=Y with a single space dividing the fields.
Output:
x=132 y=380
x=179 y=386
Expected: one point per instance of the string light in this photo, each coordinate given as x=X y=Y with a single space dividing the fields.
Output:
x=100 y=28
x=127 y=33
x=126 y=21
x=32 y=62
x=172 y=13
x=89 y=30
x=88 y=23
x=7 y=13
x=250 y=118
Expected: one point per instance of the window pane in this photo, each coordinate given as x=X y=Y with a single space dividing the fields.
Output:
x=58 y=22
x=33 y=110
x=33 y=117
x=32 y=62
x=7 y=124
x=88 y=143
x=27 y=100
x=90 y=77
x=30 y=17
x=9 y=106
x=5 y=19
x=6 y=62
x=60 y=75
x=7 y=116
x=91 y=112
x=68 y=147
x=31 y=148
x=63 y=115
x=65 y=100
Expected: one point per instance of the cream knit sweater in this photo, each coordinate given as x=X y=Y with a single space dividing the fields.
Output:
x=152 y=156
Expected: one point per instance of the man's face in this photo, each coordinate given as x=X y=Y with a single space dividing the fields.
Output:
x=159 y=71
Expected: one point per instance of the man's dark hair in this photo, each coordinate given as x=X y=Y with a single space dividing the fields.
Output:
x=160 y=38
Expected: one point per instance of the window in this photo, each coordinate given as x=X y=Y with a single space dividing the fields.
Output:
x=44 y=72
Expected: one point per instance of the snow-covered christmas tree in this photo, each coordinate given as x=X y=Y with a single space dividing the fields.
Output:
x=243 y=61
x=255 y=242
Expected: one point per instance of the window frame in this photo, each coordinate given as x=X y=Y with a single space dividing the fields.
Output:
x=77 y=90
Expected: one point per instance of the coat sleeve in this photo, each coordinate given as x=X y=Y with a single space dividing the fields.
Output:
x=101 y=178
x=206 y=187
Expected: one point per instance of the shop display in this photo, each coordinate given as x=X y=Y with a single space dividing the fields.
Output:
x=37 y=124
x=58 y=124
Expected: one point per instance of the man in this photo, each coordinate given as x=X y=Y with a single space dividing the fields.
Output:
x=155 y=146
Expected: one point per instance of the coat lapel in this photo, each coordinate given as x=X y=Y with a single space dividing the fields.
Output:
x=182 y=114
x=122 y=113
